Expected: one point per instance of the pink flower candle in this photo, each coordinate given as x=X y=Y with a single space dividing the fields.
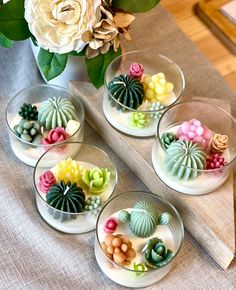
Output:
x=136 y=71
x=46 y=180
x=110 y=225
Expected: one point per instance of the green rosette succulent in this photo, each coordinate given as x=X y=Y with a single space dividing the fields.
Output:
x=156 y=253
x=96 y=179
x=167 y=138
x=139 y=120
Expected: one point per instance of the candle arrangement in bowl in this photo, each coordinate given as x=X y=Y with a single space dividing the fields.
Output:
x=138 y=89
x=138 y=236
x=195 y=147
x=41 y=116
x=71 y=192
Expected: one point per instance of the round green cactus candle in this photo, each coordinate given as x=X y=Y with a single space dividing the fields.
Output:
x=127 y=90
x=56 y=112
x=184 y=159
x=144 y=219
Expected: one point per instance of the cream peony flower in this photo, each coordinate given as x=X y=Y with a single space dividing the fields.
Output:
x=58 y=25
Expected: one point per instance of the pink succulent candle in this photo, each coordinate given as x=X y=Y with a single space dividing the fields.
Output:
x=194 y=131
x=56 y=135
x=136 y=70
x=110 y=225
x=46 y=180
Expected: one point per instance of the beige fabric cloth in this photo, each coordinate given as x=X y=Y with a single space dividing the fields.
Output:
x=35 y=256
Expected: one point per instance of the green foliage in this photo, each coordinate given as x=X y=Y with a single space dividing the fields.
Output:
x=51 y=64
x=135 y=6
x=12 y=22
x=5 y=42
x=97 y=66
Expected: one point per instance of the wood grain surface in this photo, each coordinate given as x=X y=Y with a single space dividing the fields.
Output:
x=216 y=52
x=202 y=215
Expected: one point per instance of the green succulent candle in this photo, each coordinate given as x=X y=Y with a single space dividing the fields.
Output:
x=156 y=253
x=139 y=120
x=96 y=179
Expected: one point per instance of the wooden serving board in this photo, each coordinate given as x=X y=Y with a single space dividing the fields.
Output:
x=209 y=218
x=221 y=26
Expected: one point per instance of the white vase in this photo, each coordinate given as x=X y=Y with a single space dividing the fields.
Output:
x=75 y=69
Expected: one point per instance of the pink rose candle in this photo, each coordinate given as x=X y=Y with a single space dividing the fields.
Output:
x=56 y=135
x=136 y=71
x=46 y=180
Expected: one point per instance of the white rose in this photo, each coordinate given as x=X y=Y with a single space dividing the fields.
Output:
x=58 y=25
x=5 y=1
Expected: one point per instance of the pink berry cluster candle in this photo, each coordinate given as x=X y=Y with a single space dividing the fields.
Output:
x=194 y=131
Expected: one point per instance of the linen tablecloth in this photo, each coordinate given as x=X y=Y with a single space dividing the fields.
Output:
x=35 y=256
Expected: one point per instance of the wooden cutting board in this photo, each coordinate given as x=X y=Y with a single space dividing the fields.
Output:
x=209 y=218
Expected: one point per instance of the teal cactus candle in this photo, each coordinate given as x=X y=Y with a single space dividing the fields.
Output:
x=184 y=159
x=56 y=112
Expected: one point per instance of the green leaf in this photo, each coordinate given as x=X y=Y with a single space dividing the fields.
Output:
x=12 y=22
x=97 y=66
x=5 y=42
x=51 y=64
x=135 y=6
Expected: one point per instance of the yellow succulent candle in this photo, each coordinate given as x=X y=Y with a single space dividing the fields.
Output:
x=68 y=170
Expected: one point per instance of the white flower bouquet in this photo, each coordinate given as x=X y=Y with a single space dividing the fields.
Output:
x=87 y=28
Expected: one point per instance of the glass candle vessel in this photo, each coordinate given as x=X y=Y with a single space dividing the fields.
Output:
x=59 y=118
x=144 y=223
x=195 y=147
x=138 y=89
x=71 y=191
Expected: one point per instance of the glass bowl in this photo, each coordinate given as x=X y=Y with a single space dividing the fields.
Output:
x=141 y=121
x=87 y=166
x=178 y=171
x=30 y=152
x=140 y=271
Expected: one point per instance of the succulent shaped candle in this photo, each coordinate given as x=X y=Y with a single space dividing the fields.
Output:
x=41 y=116
x=137 y=93
x=190 y=155
x=63 y=199
x=136 y=242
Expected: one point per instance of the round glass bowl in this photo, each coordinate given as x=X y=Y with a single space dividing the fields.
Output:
x=80 y=160
x=138 y=271
x=183 y=168
x=142 y=121
x=30 y=152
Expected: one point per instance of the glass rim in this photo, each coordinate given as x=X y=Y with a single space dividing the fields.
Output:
x=168 y=204
x=145 y=111
x=84 y=212
x=43 y=85
x=157 y=137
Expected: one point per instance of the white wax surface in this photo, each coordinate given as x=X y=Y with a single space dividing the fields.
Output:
x=206 y=182
x=122 y=120
x=122 y=275
x=29 y=154
x=83 y=222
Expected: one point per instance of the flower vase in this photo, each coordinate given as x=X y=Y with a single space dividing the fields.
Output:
x=75 y=69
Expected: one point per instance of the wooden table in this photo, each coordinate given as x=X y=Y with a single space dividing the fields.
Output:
x=223 y=60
